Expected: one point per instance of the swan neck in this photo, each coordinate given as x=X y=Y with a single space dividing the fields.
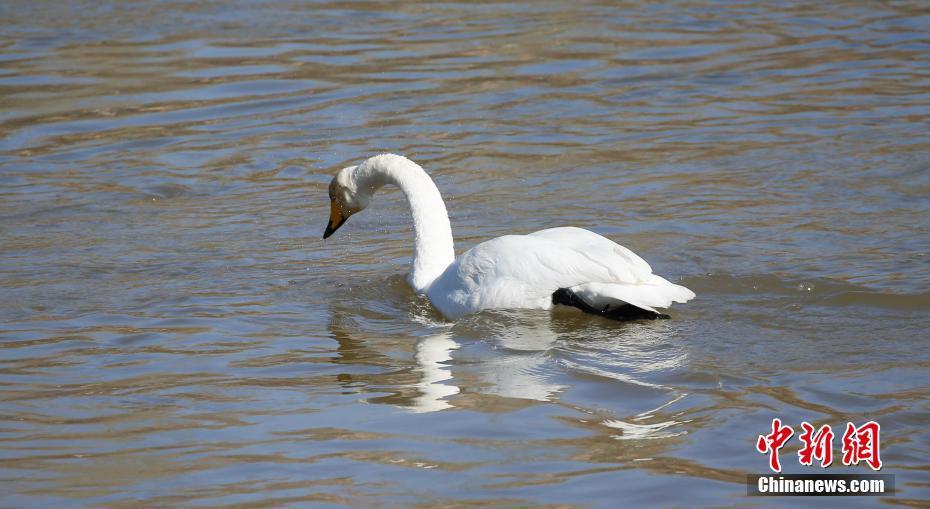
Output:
x=433 y=247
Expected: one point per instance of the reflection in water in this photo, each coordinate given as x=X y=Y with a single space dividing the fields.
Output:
x=520 y=376
x=523 y=365
x=643 y=350
x=515 y=355
x=431 y=355
x=651 y=431
x=529 y=356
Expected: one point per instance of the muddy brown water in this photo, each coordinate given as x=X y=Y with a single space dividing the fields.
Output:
x=173 y=330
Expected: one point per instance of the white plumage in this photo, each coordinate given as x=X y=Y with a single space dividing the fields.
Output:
x=509 y=272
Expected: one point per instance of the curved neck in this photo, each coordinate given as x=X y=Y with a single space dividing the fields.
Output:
x=432 y=252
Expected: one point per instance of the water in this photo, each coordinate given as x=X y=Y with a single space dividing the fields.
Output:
x=175 y=332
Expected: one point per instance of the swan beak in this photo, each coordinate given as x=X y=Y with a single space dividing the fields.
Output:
x=336 y=219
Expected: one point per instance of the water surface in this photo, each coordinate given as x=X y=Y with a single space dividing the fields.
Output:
x=175 y=332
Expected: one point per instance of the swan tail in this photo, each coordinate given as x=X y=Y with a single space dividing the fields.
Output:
x=648 y=295
x=676 y=293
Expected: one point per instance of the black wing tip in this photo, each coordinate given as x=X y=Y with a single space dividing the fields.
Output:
x=624 y=313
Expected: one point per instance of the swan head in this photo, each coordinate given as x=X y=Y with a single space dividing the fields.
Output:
x=345 y=199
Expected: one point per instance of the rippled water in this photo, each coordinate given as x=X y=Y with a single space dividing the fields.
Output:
x=175 y=332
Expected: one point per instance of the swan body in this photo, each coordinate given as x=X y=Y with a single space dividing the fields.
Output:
x=509 y=272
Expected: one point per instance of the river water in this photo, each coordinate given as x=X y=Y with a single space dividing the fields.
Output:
x=174 y=331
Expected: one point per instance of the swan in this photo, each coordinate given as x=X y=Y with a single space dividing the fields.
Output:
x=559 y=266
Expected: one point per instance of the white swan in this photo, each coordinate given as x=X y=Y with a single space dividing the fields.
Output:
x=569 y=266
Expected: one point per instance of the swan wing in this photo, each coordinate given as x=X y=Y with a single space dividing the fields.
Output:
x=522 y=271
x=609 y=252
x=630 y=278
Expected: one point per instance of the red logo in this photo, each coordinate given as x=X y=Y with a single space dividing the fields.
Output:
x=816 y=445
x=859 y=444
x=774 y=441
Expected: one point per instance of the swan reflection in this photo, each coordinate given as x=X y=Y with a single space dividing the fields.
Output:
x=517 y=376
x=432 y=353
x=508 y=360
x=521 y=356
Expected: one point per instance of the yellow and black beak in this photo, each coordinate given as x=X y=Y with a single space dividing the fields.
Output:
x=336 y=219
